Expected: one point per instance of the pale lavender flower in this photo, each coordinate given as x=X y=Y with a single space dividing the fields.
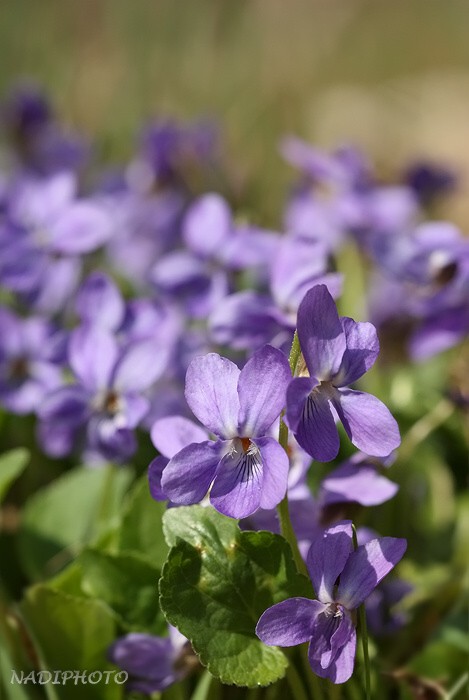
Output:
x=51 y=230
x=249 y=319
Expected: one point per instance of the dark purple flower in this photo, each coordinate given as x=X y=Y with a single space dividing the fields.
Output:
x=430 y=181
x=383 y=615
x=153 y=663
x=337 y=352
x=31 y=354
x=169 y=151
x=40 y=142
x=245 y=468
x=423 y=280
x=343 y=579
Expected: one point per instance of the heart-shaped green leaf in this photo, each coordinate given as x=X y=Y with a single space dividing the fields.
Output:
x=215 y=585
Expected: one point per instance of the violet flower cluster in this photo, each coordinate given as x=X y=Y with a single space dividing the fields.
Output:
x=134 y=301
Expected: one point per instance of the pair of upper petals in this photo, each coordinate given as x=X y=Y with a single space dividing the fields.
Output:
x=332 y=556
x=335 y=349
x=231 y=402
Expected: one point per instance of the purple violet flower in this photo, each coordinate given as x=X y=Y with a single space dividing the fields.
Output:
x=107 y=401
x=248 y=319
x=31 y=354
x=343 y=579
x=245 y=468
x=50 y=229
x=153 y=663
x=40 y=142
x=337 y=352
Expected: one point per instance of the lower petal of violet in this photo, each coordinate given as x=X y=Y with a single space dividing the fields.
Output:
x=190 y=472
x=340 y=667
x=275 y=467
x=289 y=623
x=317 y=432
x=237 y=489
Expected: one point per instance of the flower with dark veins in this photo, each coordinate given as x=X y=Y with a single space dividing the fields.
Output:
x=244 y=468
x=343 y=579
x=337 y=352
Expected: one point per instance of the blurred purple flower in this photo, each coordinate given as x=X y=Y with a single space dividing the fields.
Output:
x=337 y=352
x=342 y=579
x=49 y=230
x=197 y=276
x=153 y=663
x=249 y=319
x=423 y=277
x=41 y=144
x=430 y=181
x=32 y=352
x=108 y=400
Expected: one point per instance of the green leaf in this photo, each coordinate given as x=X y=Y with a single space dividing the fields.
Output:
x=141 y=529
x=72 y=633
x=76 y=509
x=11 y=465
x=128 y=584
x=69 y=580
x=216 y=584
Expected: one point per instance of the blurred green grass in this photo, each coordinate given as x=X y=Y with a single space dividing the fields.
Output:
x=324 y=69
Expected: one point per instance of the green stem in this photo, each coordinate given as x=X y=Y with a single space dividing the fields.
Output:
x=202 y=688
x=314 y=683
x=363 y=633
x=459 y=685
x=294 y=680
x=286 y=527
x=424 y=426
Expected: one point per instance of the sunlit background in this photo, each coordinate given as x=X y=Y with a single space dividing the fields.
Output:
x=390 y=76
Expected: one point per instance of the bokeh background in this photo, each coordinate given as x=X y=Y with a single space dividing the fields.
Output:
x=390 y=76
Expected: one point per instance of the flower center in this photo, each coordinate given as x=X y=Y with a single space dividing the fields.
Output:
x=18 y=369
x=334 y=610
x=112 y=403
x=246 y=444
